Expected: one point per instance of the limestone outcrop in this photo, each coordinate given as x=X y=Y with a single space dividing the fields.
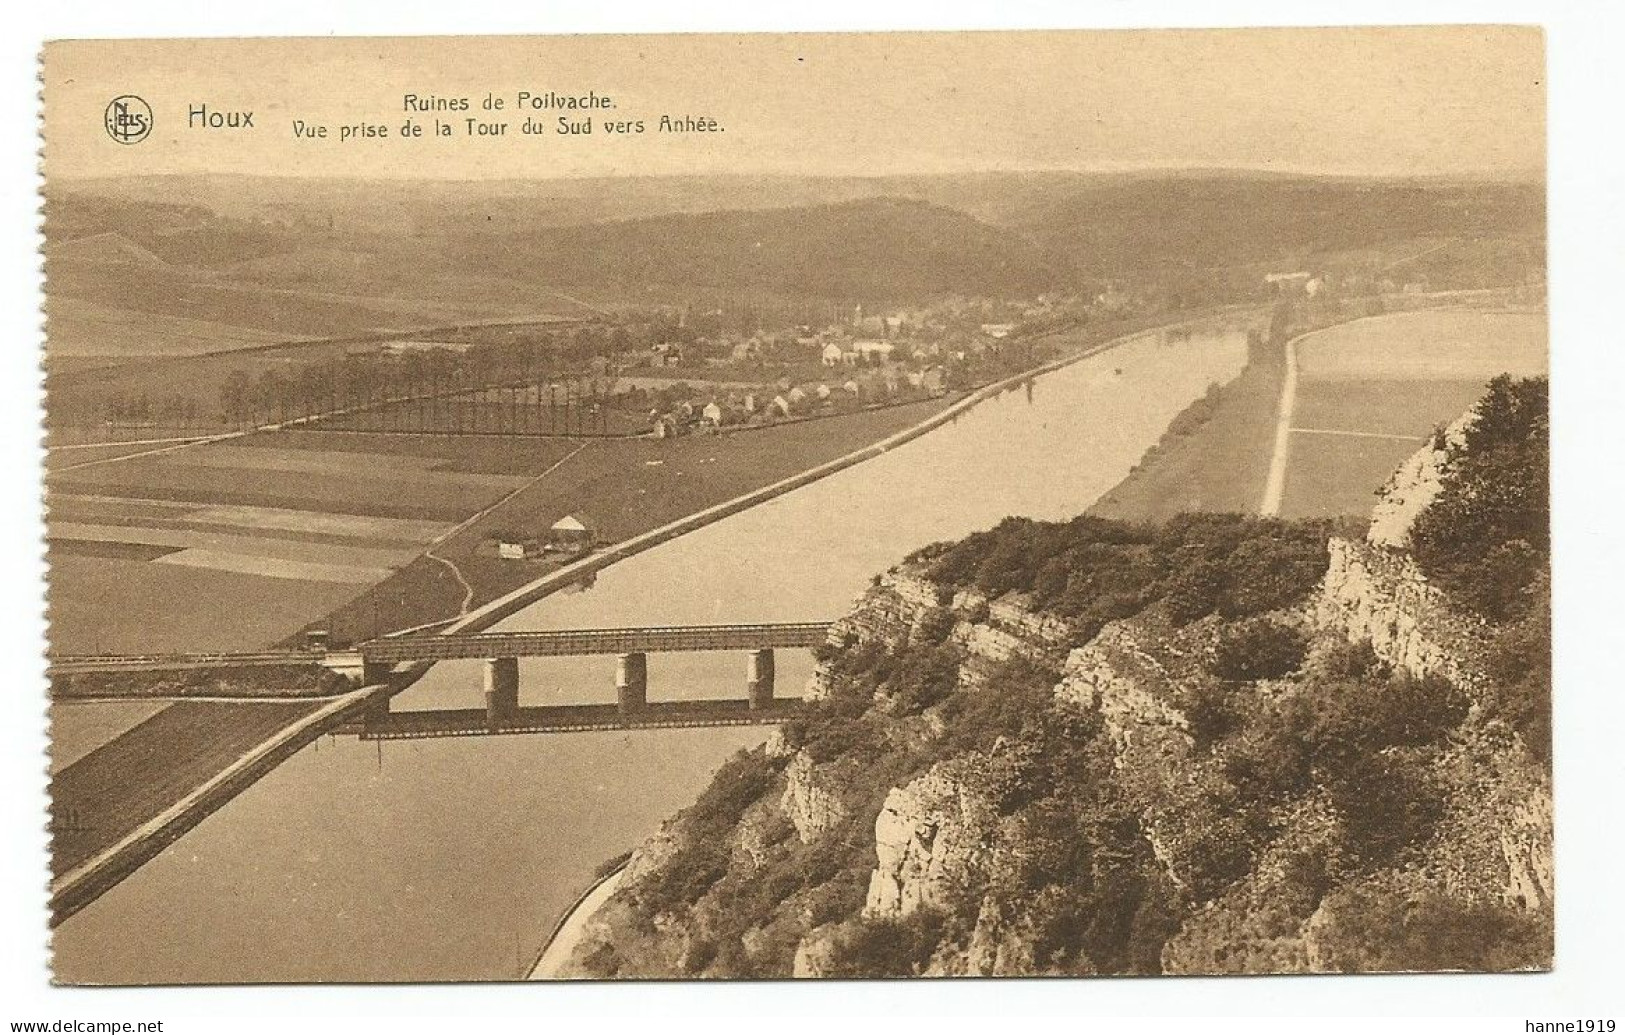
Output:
x=930 y=836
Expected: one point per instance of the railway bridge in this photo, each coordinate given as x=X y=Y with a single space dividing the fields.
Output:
x=375 y=661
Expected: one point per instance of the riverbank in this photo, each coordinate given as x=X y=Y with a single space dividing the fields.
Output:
x=634 y=492
x=495 y=610
x=572 y=926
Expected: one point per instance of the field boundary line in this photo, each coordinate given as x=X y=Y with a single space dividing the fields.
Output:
x=1358 y=434
x=128 y=442
x=149 y=452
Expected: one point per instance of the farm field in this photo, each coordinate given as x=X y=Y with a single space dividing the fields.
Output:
x=350 y=482
x=133 y=777
x=80 y=727
x=1369 y=395
x=237 y=545
x=81 y=328
x=1372 y=391
x=619 y=488
x=60 y=457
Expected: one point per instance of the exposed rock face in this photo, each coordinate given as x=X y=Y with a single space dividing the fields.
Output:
x=812 y=803
x=903 y=603
x=1412 y=488
x=930 y=835
x=815 y=954
x=997 y=948
x=1129 y=685
x=1382 y=596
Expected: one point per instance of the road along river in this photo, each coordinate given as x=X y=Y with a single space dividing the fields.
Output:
x=452 y=859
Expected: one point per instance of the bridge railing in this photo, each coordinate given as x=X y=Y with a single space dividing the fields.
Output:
x=66 y=664
x=566 y=642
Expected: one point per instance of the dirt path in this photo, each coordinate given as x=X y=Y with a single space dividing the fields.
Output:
x=1275 y=484
x=570 y=930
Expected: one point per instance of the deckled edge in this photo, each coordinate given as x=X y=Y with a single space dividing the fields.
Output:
x=38 y=660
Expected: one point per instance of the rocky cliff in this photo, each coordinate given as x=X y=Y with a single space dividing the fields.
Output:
x=988 y=785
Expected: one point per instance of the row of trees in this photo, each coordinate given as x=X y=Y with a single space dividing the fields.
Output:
x=536 y=384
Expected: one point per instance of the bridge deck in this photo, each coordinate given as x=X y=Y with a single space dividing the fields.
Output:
x=559 y=643
x=79 y=664
x=571 y=718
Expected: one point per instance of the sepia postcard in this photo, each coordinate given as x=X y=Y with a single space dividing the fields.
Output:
x=964 y=504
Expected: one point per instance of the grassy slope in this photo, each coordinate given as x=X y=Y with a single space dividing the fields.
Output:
x=1221 y=467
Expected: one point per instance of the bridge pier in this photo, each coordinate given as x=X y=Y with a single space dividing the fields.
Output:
x=501 y=690
x=632 y=682
x=759 y=678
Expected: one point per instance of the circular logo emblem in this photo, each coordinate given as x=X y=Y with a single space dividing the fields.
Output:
x=128 y=119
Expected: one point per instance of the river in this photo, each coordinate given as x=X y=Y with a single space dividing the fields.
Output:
x=451 y=859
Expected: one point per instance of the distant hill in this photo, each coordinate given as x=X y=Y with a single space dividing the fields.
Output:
x=190 y=246
x=878 y=248
x=108 y=247
x=1208 y=222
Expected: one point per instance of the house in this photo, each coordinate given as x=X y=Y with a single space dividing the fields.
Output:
x=833 y=354
x=853 y=389
x=797 y=396
x=510 y=546
x=822 y=391
x=712 y=414
x=998 y=330
x=666 y=354
x=779 y=405
x=1287 y=282
x=750 y=403
x=870 y=350
x=569 y=533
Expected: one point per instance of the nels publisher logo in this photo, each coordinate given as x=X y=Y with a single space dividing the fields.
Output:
x=128 y=119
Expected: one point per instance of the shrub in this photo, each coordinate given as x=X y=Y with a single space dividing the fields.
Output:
x=1211 y=713
x=933 y=626
x=1344 y=660
x=1486 y=536
x=1256 y=649
x=1370 y=930
x=1390 y=806
x=887 y=948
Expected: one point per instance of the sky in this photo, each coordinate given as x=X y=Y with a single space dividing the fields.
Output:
x=1450 y=101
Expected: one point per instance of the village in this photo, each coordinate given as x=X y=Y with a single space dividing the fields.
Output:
x=715 y=380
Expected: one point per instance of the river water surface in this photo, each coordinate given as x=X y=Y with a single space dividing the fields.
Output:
x=452 y=859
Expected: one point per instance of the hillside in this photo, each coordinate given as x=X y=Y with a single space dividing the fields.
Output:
x=875 y=249
x=891 y=238
x=1221 y=745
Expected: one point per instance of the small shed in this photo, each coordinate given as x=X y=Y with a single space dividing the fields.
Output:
x=569 y=532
